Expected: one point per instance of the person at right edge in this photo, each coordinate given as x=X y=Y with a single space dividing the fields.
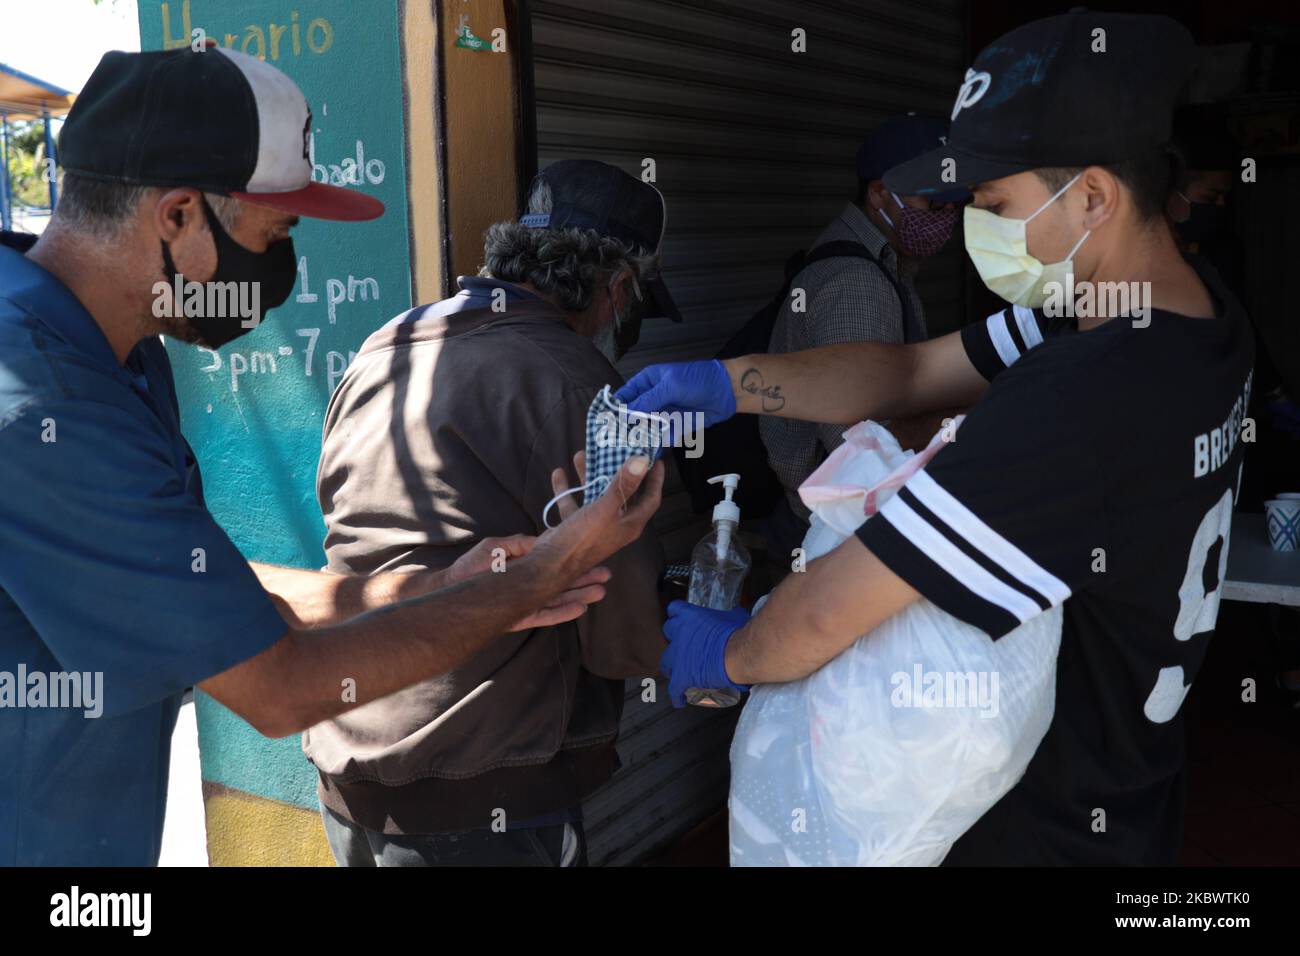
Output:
x=1096 y=468
x=1201 y=210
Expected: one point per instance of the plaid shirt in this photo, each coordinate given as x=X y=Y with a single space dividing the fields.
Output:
x=847 y=300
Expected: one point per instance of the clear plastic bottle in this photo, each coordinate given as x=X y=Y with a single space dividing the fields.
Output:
x=719 y=564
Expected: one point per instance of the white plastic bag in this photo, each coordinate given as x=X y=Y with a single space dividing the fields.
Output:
x=891 y=751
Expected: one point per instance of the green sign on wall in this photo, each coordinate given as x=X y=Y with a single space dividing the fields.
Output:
x=252 y=410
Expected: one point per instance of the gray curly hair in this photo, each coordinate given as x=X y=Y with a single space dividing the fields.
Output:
x=569 y=264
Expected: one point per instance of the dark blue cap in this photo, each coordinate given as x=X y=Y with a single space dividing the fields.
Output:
x=900 y=139
x=587 y=194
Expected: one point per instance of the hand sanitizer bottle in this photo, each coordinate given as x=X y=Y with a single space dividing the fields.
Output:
x=719 y=564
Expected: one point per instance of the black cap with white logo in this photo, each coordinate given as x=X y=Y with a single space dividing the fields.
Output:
x=216 y=119
x=1078 y=89
x=587 y=194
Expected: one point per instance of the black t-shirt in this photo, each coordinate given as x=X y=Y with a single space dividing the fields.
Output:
x=1099 y=470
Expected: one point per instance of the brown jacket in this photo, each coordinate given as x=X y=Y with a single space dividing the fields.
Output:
x=444 y=431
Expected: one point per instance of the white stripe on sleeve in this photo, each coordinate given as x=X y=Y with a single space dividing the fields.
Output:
x=985 y=540
x=936 y=546
x=1002 y=340
x=1028 y=325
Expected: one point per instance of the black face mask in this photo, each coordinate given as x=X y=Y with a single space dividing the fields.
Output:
x=1204 y=222
x=275 y=271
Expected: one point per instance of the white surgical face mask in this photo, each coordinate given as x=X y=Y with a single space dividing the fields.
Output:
x=997 y=246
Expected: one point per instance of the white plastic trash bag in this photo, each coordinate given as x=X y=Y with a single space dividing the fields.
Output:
x=891 y=751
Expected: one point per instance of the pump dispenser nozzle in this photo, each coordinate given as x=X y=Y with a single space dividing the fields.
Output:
x=726 y=509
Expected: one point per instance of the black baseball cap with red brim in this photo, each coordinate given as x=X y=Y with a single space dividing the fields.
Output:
x=1079 y=89
x=213 y=119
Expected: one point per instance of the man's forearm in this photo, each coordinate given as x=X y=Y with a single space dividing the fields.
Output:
x=816 y=614
x=310 y=675
x=309 y=599
x=786 y=640
x=834 y=384
x=315 y=674
x=845 y=384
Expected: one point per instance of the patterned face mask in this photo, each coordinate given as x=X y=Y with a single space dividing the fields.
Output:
x=922 y=232
x=614 y=434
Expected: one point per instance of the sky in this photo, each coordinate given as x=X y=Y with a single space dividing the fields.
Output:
x=61 y=41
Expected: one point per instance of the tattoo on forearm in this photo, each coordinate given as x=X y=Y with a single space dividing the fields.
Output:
x=752 y=382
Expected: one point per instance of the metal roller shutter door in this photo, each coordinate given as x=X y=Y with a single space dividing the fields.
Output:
x=753 y=146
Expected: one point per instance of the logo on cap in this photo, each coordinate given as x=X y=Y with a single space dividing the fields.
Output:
x=972 y=91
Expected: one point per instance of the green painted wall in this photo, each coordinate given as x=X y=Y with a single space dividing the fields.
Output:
x=253 y=410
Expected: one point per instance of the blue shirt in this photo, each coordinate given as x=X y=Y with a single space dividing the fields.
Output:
x=476 y=292
x=109 y=564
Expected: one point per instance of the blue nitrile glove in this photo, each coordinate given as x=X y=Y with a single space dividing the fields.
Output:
x=697 y=642
x=682 y=387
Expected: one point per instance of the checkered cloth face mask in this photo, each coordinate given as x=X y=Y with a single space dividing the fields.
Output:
x=614 y=434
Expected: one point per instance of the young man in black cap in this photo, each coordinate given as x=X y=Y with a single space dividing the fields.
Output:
x=116 y=585
x=446 y=429
x=1097 y=469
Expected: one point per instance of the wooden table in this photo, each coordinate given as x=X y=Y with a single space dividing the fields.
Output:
x=1256 y=572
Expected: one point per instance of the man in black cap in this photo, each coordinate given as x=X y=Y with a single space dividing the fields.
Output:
x=118 y=590
x=858 y=287
x=1097 y=469
x=446 y=429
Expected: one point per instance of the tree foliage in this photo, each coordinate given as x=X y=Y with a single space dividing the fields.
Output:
x=27 y=163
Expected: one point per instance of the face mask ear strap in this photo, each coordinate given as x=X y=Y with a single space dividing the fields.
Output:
x=1057 y=195
x=636 y=286
x=572 y=491
x=636 y=290
x=607 y=397
x=1086 y=234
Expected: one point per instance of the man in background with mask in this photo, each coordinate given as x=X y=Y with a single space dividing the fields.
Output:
x=1198 y=203
x=188 y=166
x=446 y=430
x=870 y=298
x=1096 y=469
